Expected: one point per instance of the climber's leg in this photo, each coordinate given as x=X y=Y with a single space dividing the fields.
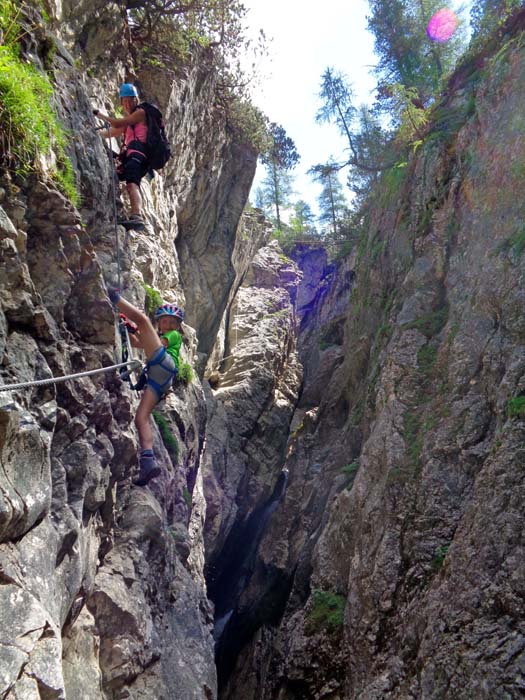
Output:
x=147 y=403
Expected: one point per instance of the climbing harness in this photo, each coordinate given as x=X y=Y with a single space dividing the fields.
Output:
x=168 y=372
x=78 y=375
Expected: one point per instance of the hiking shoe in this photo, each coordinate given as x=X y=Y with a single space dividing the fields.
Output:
x=135 y=221
x=149 y=468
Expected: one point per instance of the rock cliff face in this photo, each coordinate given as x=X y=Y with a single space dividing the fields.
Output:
x=102 y=584
x=400 y=531
x=340 y=509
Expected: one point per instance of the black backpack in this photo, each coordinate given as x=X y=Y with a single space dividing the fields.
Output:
x=158 y=149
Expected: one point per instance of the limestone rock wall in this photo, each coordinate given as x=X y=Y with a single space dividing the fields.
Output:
x=341 y=505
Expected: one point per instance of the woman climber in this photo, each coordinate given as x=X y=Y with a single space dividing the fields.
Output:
x=132 y=163
x=162 y=367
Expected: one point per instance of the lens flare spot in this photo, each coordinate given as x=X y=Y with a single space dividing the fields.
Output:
x=442 y=25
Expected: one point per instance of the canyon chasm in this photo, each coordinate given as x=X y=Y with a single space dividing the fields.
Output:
x=341 y=505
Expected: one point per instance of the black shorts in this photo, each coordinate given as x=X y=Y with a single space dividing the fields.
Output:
x=133 y=168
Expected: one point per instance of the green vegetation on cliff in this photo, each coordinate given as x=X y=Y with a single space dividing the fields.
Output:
x=30 y=132
x=152 y=300
x=169 y=440
x=516 y=407
x=326 y=613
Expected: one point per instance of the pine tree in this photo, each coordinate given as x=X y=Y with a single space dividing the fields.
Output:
x=406 y=54
x=302 y=221
x=275 y=193
x=277 y=188
x=333 y=206
x=337 y=108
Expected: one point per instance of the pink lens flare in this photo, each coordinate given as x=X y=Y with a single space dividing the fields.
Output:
x=442 y=25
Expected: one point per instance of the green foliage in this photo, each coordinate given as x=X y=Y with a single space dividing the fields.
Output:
x=168 y=33
x=281 y=152
x=302 y=221
x=29 y=128
x=392 y=183
x=410 y=114
x=517 y=168
x=350 y=471
x=178 y=27
x=516 y=407
x=280 y=157
x=169 y=440
x=187 y=497
x=406 y=55
x=333 y=207
x=153 y=299
x=249 y=123
x=446 y=121
x=275 y=194
x=10 y=16
x=186 y=374
x=177 y=535
x=64 y=178
x=487 y=16
x=426 y=358
x=383 y=333
x=358 y=412
x=439 y=556
x=430 y=324
x=344 y=249
x=454 y=330
x=515 y=243
x=368 y=142
x=377 y=248
x=326 y=612
x=337 y=98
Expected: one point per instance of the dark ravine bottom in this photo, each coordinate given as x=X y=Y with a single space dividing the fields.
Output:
x=236 y=622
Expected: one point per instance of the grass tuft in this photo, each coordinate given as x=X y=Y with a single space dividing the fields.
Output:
x=29 y=127
x=153 y=299
x=186 y=373
x=169 y=440
x=516 y=407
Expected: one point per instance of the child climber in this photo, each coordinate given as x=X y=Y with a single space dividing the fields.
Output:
x=162 y=367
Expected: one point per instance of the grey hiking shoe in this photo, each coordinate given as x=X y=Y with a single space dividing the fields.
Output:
x=149 y=468
x=134 y=221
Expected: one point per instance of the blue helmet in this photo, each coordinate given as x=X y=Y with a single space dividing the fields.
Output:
x=128 y=90
x=169 y=310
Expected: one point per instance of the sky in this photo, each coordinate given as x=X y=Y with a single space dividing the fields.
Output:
x=304 y=42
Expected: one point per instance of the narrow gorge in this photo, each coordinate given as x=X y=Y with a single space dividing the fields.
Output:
x=341 y=505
